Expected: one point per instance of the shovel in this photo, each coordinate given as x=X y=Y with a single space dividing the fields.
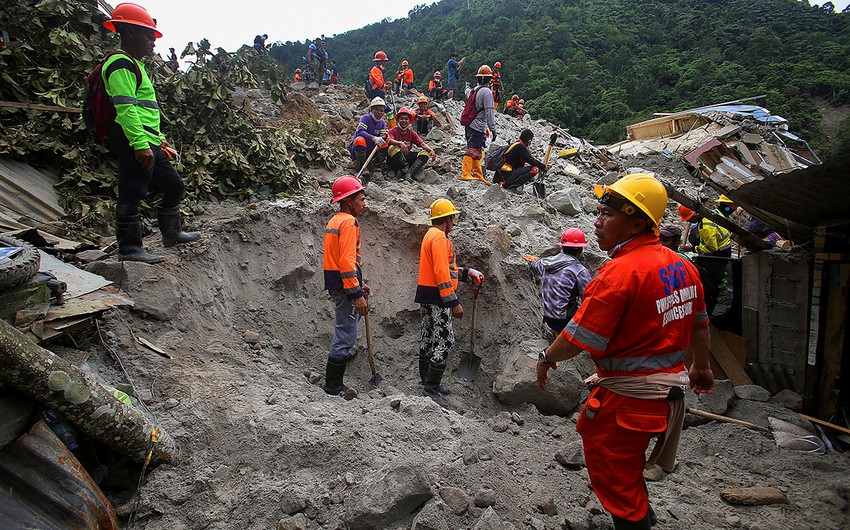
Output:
x=469 y=362
x=366 y=163
x=540 y=185
x=376 y=377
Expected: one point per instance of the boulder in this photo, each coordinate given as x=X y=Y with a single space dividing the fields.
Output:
x=155 y=292
x=567 y=201
x=392 y=494
x=455 y=499
x=489 y=520
x=789 y=399
x=752 y=392
x=431 y=517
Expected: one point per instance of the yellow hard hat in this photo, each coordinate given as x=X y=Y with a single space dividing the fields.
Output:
x=724 y=198
x=641 y=190
x=442 y=208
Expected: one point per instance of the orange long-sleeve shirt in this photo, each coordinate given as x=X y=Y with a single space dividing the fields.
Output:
x=438 y=271
x=342 y=255
x=377 y=77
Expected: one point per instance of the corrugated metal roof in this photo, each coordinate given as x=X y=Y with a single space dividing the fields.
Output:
x=28 y=192
x=796 y=202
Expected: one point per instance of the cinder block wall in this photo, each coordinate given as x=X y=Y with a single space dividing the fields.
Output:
x=775 y=314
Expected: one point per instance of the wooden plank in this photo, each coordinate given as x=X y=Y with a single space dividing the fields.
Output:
x=726 y=359
x=37 y=106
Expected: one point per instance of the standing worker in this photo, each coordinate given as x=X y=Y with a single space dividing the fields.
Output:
x=498 y=89
x=137 y=141
x=436 y=293
x=344 y=280
x=375 y=84
x=476 y=131
x=640 y=315
x=453 y=67
x=564 y=279
x=713 y=246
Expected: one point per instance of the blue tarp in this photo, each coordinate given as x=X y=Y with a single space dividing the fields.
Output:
x=760 y=114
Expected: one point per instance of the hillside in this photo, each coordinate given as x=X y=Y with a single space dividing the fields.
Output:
x=595 y=66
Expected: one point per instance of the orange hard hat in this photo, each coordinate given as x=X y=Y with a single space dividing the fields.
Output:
x=497 y=65
x=345 y=186
x=572 y=237
x=129 y=13
x=685 y=213
x=484 y=71
x=380 y=56
x=514 y=97
x=405 y=63
x=297 y=70
x=437 y=74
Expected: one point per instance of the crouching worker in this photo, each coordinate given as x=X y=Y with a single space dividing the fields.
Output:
x=371 y=133
x=135 y=138
x=400 y=154
x=514 y=172
x=436 y=293
x=344 y=280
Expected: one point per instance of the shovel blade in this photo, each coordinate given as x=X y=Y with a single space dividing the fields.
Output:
x=375 y=381
x=539 y=190
x=468 y=366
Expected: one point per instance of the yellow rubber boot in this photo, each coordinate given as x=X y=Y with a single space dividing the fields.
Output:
x=466 y=168
x=478 y=171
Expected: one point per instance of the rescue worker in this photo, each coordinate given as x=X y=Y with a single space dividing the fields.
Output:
x=498 y=89
x=423 y=118
x=172 y=60
x=436 y=292
x=732 y=211
x=670 y=236
x=371 y=133
x=406 y=78
x=639 y=316
x=514 y=172
x=344 y=280
x=435 y=87
x=400 y=154
x=453 y=67
x=520 y=109
x=476 y=132
x=510 y=106
x=564 y=279
x=375 y=85
x=334 y=72
x=297 y=76
x=137 y=141
x=713 y=246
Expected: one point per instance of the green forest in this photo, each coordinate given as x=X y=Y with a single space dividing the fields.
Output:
x=595 y=66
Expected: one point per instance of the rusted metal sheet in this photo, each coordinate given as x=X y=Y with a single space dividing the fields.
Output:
x=43 y=485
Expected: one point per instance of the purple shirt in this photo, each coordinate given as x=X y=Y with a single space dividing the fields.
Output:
x=563 y=275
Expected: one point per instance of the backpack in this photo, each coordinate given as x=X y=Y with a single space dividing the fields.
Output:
x=469 y=111
x=98 y=111
x=495 y=159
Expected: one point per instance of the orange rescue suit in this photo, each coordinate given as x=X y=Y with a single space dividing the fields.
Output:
x=376 y=75
x=438 y=271
x=342 y=255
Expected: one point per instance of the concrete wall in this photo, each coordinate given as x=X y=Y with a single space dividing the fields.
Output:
x=776 y=299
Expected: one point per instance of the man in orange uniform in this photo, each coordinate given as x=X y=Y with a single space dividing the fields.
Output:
x=344 y=280
x=436 y=293
x=435 y=87
x=297 y=76
x=639 y=316
x=375 y=84
x=498 y=89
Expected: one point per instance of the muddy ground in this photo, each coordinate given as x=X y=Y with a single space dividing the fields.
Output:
x=245 y=318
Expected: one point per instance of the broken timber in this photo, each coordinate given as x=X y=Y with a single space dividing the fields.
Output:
x=48 y=378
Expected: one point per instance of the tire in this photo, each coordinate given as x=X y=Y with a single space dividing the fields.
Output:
x=22 y=266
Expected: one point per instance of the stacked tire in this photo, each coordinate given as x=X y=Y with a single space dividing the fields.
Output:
x=22 y=266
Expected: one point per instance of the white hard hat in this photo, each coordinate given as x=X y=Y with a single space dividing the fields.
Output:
x=377 y=102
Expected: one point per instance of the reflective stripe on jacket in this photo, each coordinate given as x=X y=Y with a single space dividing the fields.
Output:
x=438 y=272
x=342 y=255
x=639 y=312
x=137 y=111
x=712 y=238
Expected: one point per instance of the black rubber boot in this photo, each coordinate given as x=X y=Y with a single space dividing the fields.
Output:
x=622 y=524
x=378 y=162
x=333 y=381
x=423 y=369
x=414 y=168
x=432 y=384
x=361 y=159
x=128 y=231
x=170 y=226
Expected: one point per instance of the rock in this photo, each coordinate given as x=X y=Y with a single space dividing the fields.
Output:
x=568 y=201
x=733 y=520
x=111 y=270
x=171 y=403
x=754 y=496
x=296 y=522
x=576 y=519
x=717 y=402
x=455 y=499
x=517 y=382
x=89 y=256
x=789 y=399
x=292 y=501
x=251 y=337
x=498 y=239
x=155 y=292
x=376 y=193
x=571 y=456
x=430 y=517
x=546 y=505
x=489 y=520
x=485 y=497
x=470 y=455
x=428 y=176
x=390 y=495
x=346 y=113
x=831 y=497
x=494 y=194
x=435 y=135
x=752 y=392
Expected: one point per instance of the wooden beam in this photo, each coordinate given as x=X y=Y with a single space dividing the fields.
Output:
x=839 y=428
x=37 y=106
x=724 y=357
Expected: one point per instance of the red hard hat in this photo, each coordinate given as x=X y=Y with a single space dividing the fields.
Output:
x=135 y=14
x=497 y=65
x=572 y=237
x=437 y=74
x=403 y=110
x=297 y=70
x=685 y=213
x=405 y=63
x=380 y=56
x=345 y=186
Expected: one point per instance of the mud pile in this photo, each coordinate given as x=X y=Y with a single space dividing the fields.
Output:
x=244 y=316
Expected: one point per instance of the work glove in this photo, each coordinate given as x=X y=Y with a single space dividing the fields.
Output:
x=476 y=276
x=380 y=142
x=529 y=258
